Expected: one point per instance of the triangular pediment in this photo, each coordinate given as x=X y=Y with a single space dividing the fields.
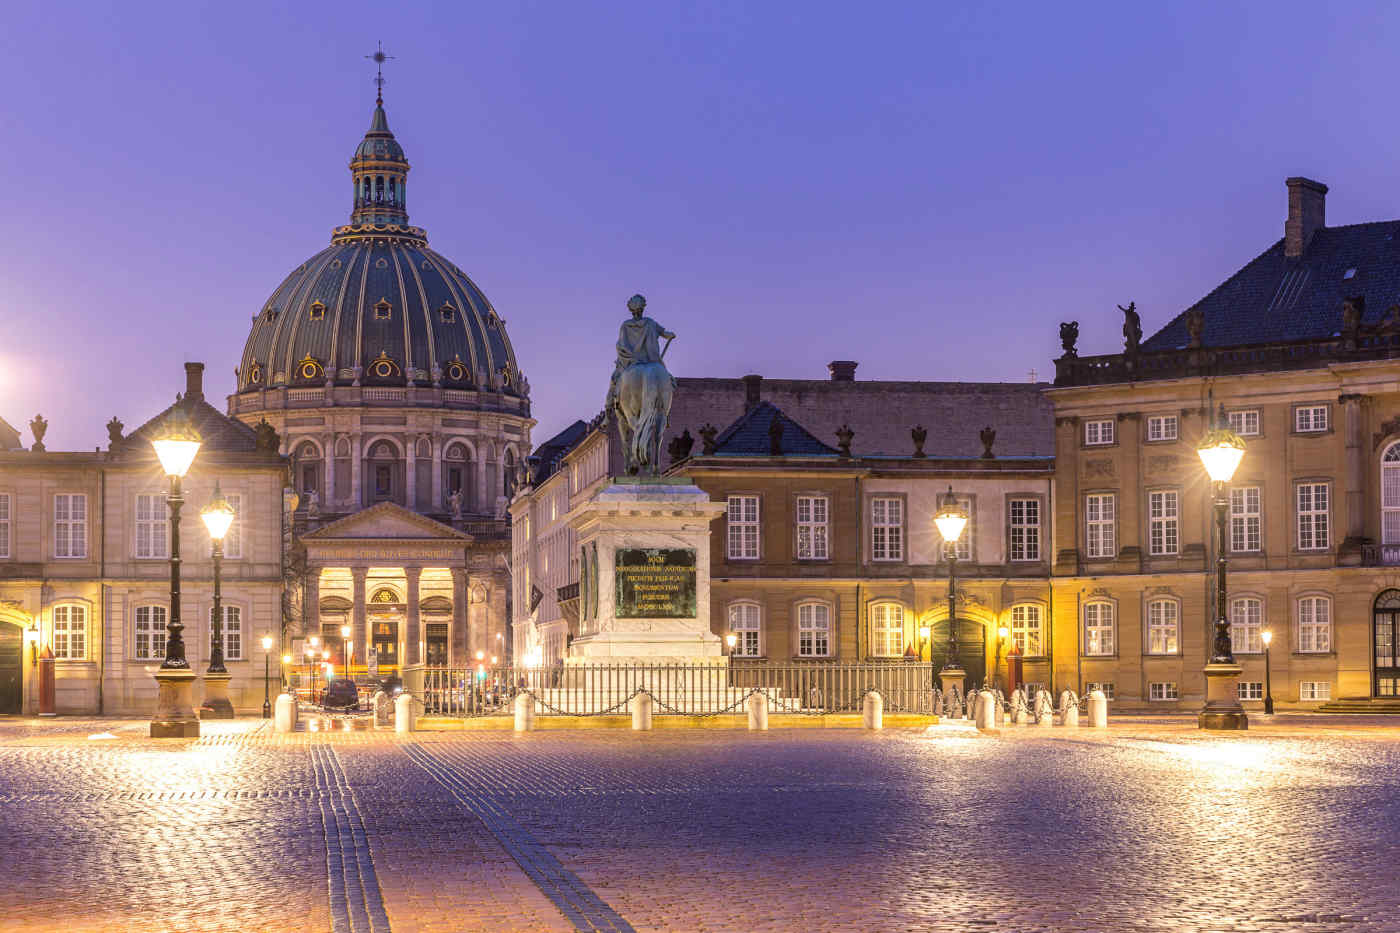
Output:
x=386 y=521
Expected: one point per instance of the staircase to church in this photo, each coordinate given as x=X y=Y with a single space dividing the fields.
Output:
x=1384 y=706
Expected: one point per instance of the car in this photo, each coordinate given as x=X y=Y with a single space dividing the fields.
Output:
x=341 y=694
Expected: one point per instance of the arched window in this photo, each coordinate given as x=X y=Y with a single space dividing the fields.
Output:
x=1026 y=630
x=384 y=457
x=148 y=633
x=1390 y=495
x=813 y=630
x=308 y=461
x=1315 y=624
x=1163 y=626
x=508 y=473
x=1246 y=624
x=744 y=623
x=1099 y=631
x=70 y=636
x=887 y=630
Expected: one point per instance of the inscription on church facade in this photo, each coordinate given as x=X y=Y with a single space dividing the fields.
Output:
x=655 y=583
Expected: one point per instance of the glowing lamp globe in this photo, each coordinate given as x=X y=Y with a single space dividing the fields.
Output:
x=345 y=631
x=218 y=515
x=267 y=642
x=731 y=640
x=951 y=517
x=176 y=443
x=1003 y=632
x=924 y=632
x=1268 y=637
x=1221 y=451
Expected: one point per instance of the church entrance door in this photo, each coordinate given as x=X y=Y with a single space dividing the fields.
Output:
x=11 y=668
x=385 y=639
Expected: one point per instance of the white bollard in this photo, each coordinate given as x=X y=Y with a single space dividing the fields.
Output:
x=998 y=710
x=986 y=711
x=641 y=712
x=524 y=712
x=286 y=714
x=383 y=710
x=403 y=713
x=1070 y=717
x=1044 y=710
x=1098 y=710
x=758 y=711
x=874 y=710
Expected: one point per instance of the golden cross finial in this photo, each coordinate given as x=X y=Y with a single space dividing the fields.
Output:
x=379 y=58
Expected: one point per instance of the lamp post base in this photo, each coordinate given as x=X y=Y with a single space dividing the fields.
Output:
x=952 y=677
x=216 y=702
x=1222 y=712
x=174 y=717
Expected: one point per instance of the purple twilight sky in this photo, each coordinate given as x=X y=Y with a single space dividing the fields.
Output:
x=928 y=188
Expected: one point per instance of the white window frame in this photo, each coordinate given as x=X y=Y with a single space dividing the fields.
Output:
x=746 y=624
x=1023 y=529
x=149 y=623
x=1313 y=522
x=67 y=528
x=1163 y=626
x=1028 y=630
x=1162 y=691
x=1310 y=419
x=814 y=630
x=1163 y=428
x=1246 y=625
x=1244 y=421
x=1249 y=689
x=70 y=626
x=232 y=631
x=1101 y=525
x=233 y=538
x=1314 y=691
x=813 y=527
x=1106 y=686
x=1100 y=630
x=1246 y=528
x=151 y=527
x=1390 y=494
x=1101 y=432
x=886 y=528
x=1164 y=517
x=4 y=524
x=743 y=532
x=887 y=629
x=1314 y=624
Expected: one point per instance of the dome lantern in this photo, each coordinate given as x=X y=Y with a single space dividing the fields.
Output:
x=380 y=174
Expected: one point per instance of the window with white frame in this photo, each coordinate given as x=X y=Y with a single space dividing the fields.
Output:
x=1162 y=428
x=1100 y=525
x=812 y=523
x=887 y=630
x=4 y=524
x=743 y=528
x=1163 y=508
x=1027 y=628
x=1098 y=432
x=813 y=630
x=1310 y=418
x=70 y=525
x=1312 y=516
x=1390 y=494
x=1098 y=629
x=233 y=632
x=233 y=538
x=1315 y=690
x=1315 y=624
x=886 y=528
x=1249 y=689
x=148 y=634
x=963 y=546
x=1163 y=690
x=1163 y=626
x=70 y=633
x=1025 y=529
x=1246 y=625
x=744 y=624
x=1105 y=686
x=152 y=527
x=1244 y=422
x=1244 y=518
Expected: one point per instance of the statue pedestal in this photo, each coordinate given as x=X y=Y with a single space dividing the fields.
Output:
x=216 y=704
x=951 y=677
x=174 y=717
x=1223 y=711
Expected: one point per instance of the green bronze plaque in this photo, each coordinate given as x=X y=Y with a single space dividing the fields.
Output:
x=655 y=583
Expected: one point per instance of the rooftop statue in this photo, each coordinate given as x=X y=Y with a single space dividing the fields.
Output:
x=641 y=389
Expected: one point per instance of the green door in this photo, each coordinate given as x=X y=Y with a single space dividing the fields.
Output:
x=972 y=650
x=11 y=668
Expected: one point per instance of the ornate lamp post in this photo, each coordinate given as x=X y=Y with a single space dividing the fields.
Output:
x=1221 y=451
x=951 y=519
x=349 y=648
x=1268 y=637
x=267 y=675
x=218 y=517
x=176 y=444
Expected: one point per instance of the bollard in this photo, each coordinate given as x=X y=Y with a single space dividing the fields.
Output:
x=285 y=719
x=641 y=712
x=1015 y=713
x=524 y=712
x=383 y=710
x=985 y=713
x=874 y=710
x=757 y=704
x=1098 y=710
x=971 y=711
x=403 y=713
x=1044 y=711
x=1070 y=717
x=998 y=709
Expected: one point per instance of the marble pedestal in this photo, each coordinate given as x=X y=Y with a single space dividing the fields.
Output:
x=951 y=677
x=174 y=717
x=1223 y=711
x=216 y=703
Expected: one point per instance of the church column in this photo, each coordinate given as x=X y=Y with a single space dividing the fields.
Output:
x=459 y=653
x=437 y=472
x=1355 y=473
x=410 y=484
x=311 y=603
x=328 y=458
x=356 y=497
x=357 y=612
x=413 y=634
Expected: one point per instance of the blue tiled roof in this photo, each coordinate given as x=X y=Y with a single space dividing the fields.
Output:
x=748 y=437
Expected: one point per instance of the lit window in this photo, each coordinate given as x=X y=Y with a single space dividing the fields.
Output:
x=70 y=633
x=1245 y=422
x=1162 y=428
x=743 y=528
x=70 y=525
x=1249 y=689
x=886 y=528
x=1162 y=691
x=1315 y=690
x=1390 y=495
x=812 y=528
x=1163 y=626
x=1310 y=418
x=1098 y=432
x=1315 y=624
x=1098 y=629
x=813 y=630
x=744 y=623
x=4 y=524
x=1099 y=518
x=1025 y=529
x=1312 y=516
x=1162 y=515
x=233 y=632
x=149 y=634
x=1246 y=625
x=887 y=630
x=1026 y=630
x=1107 y=689
x=1244 y=519
x=152 y=527
x=233 y=538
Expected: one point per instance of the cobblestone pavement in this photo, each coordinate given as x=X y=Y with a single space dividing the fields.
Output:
x=1148 y=826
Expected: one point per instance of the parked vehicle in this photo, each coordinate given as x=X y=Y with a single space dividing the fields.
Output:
x=341 y=694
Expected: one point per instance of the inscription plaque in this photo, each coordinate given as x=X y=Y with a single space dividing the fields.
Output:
x=655 y=583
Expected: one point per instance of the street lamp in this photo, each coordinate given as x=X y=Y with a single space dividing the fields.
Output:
x=267 y=675
x=349 y=648
x=218 y=517
x=1268 y=637
x=176 y=442
x=951 y=519
x=925 y=638
x=1221 y=451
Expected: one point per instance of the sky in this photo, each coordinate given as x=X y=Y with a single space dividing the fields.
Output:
x=926 y=188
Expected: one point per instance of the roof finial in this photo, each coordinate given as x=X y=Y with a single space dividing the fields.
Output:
x=379 y=58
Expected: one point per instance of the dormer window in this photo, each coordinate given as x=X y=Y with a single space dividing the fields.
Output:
x=271 y=314
x=318 y=311
x=448 y=314
x=383 y=310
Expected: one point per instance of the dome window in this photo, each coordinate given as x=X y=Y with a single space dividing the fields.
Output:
x=447 y=313
x=271 y=315
x=335 y=263
x=254 y=374
x=318 y=311
x=381 y=367
x=456 y=372
x=309 y=369
x=383 y=311
x=381 y=263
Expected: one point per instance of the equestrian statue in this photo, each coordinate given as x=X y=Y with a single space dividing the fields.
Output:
x=640 y=393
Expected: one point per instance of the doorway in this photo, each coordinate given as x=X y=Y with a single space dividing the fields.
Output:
x=1385 y=627
x=972 y=649
x=11 y=668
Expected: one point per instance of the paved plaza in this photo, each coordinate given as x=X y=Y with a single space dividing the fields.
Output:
x=1150 y=825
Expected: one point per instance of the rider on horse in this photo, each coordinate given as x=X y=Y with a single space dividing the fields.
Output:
x=638 y=341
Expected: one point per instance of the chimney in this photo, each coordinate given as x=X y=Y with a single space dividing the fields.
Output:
x=752 y=384
x=842 y=370
x=194 y=382
x=1307 y=214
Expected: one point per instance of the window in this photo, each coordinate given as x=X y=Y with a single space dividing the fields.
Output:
x=1026 y=630
x=448 y=314
x=4 y=524
x=1162 y=510
x=1098 y=432
x=1245 y=422
x=1244 y=519
x=743 y=622
x=887 y=630
x=383 y=481
x=233 y=538
x=743 y=527
x=1162 y=428
x=1249 y=689
x=1310 y=418
x=70 y=525
x=1099 y=514
x=1315 y=690
x=1246 y=624
x=1025 y=529
x=317 y=311
x=233 y=632
x=886 y=528
x=1098 y=629
x=813 y=630
x=1390 y=495
x=812 y=528
x=1162 y=691
x=1107 y=689
x=148 y=642
x=382 y=310
x=1314 y=624
x=1312 y=516
x=1163 y=626
x=152 y=527
x=70 y=633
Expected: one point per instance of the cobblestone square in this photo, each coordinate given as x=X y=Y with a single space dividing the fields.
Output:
x=1150 y=825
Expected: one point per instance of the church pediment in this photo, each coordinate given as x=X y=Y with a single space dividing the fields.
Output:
x=389 y=522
